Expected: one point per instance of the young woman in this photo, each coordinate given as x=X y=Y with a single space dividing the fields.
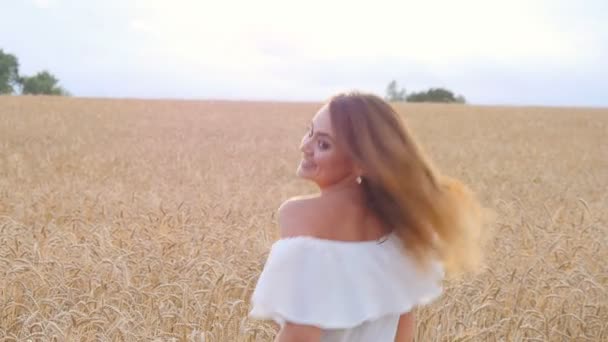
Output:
x=355 y=259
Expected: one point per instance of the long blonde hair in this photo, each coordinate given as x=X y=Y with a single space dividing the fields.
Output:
x=434 y=215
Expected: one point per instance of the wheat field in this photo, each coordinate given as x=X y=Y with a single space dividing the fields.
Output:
x=150 y=220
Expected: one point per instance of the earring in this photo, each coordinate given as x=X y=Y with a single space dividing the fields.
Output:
x=359 y=180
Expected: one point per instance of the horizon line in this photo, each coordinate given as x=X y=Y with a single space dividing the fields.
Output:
x=267 y=100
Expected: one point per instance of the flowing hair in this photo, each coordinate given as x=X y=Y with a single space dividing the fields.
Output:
x=435 y=216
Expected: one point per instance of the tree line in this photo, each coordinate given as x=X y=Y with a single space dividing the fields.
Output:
x=12 y=82
x=45 y=83
x=393 y=94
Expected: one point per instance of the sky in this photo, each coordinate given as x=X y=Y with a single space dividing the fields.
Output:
x=503 y=52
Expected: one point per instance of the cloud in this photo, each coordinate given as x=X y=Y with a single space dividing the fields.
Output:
x=433 y=33
x=266 y=49
x=43 y=4
x=140 y=26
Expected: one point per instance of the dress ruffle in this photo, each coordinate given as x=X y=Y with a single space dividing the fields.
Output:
x=338 y=285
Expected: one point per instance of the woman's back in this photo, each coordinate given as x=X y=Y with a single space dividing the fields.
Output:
x=340 y=216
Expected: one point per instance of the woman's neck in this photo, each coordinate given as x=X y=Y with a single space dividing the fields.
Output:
x=347 y=185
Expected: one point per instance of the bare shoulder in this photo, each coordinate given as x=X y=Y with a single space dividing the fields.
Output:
x=297 y=215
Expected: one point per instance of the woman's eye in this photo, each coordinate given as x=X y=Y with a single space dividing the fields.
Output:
x=323 y=145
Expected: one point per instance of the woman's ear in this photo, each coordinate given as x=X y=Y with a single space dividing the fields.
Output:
x=359 y=171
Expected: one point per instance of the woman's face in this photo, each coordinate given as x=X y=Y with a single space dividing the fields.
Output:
x=323 y=162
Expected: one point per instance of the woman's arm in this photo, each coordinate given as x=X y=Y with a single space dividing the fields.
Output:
x=406 y=328
x=298 y=333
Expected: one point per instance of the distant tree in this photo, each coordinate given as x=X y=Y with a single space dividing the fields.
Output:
x=460 y=99
x=9 y=73
x=43 y=83
x=393 y=94
x=435 y=95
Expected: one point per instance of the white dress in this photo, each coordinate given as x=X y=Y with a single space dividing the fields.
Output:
x=353 y=291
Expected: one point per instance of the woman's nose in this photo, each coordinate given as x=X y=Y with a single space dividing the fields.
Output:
x=305 y=146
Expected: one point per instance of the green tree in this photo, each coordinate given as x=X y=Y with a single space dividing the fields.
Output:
x=393 y=94
x=435 y=95
x=9 y=73
x=43 y=83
